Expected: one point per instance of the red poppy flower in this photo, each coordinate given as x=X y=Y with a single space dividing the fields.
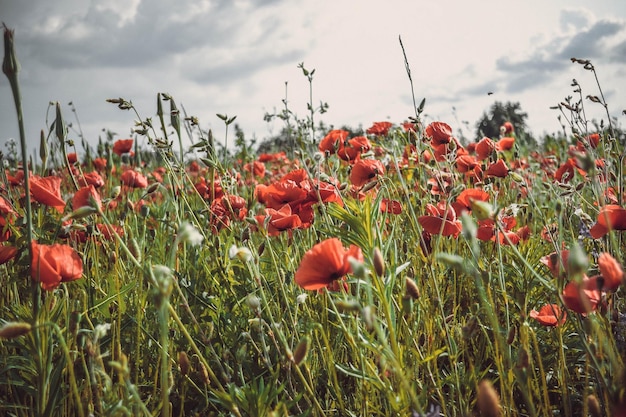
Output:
x=279 y=220
x=53 y=264
x=379 y=129
x=497 y=169
x=390 y=206
x=122 y=146
x=464 y=200
x=582 y=298
x=350 y=150
x=505 y=144
x=364 y=170
x=100 y=164
x=465 y=163
x=7 y=252
x=438 y=132
x=611 y=272
x=17 y=179
x=611 y=217
x=329 y=143
x=484 y=148
x=557 y=264
x=87 y=197
x=440 y=221
x=507 y=128
x=255 y=167
x=549 y=315
x=91 y=178
x=134 y=179
x=72 y=158
x=47 y=191
x=324 y=263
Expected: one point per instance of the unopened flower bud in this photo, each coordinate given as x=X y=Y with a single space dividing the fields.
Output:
x=488 y=400
x=183 y=363
x=379 y=262
x=302 y=350
x=11 y=330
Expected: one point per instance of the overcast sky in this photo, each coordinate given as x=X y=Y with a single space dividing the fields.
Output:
x=234 y=57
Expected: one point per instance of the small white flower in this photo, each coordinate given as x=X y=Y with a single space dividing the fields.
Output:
x=189 y=233
x=301 y=298
x=242 y=253
x=101 y=330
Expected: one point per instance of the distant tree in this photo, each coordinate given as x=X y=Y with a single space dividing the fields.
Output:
x=489 y=124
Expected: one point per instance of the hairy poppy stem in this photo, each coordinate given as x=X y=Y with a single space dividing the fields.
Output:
x=10 y=67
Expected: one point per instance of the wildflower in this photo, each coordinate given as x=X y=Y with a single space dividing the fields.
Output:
x=390 y=206
x=122 y=146
x=505 y=144
x=134 y=179
x=379 y=129
x=556 y=263
x=53 y=264
x=301 y=298
x=279 y=220
x=100 y=164
x=330 y=141
x=87 y=197
x=507 y=128
x=365 y=170
x=582 y=297
x=324 y=263
x=549 y=315
x=47 y=191
x=440 y=221
x=611 y=272
x=497 y=169
x=351 y=150
x=72 y=158
x=611 y=217
x=484 y=148
x=91 y=178
x=438 y=132
x=188 y=232
x=242 y=253
x=7 y=253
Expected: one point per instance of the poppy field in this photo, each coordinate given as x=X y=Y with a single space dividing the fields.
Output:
x=398 y=271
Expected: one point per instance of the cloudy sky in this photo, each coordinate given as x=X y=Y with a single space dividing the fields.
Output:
x=240 y=57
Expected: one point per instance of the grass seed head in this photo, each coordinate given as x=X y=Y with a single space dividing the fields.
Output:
x=488 y=400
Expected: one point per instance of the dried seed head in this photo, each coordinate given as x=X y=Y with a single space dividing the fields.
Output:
x=379 y=262
x=511 y=336
x=204 y=374
x=302 y=350
x=488 y=400
x=411 y=288
x=12 y=330
x=183 y=363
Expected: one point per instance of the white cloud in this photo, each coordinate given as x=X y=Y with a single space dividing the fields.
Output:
x=221 y=56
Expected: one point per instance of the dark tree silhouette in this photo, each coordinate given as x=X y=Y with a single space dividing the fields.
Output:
x=489 y=124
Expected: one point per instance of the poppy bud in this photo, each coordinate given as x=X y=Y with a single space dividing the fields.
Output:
x=379 y=262
x=412 y=289
x=302 y=350
x=488 y=400
x=577 y=261
x=12 y=330
x=183 y=363
x=594 y=406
